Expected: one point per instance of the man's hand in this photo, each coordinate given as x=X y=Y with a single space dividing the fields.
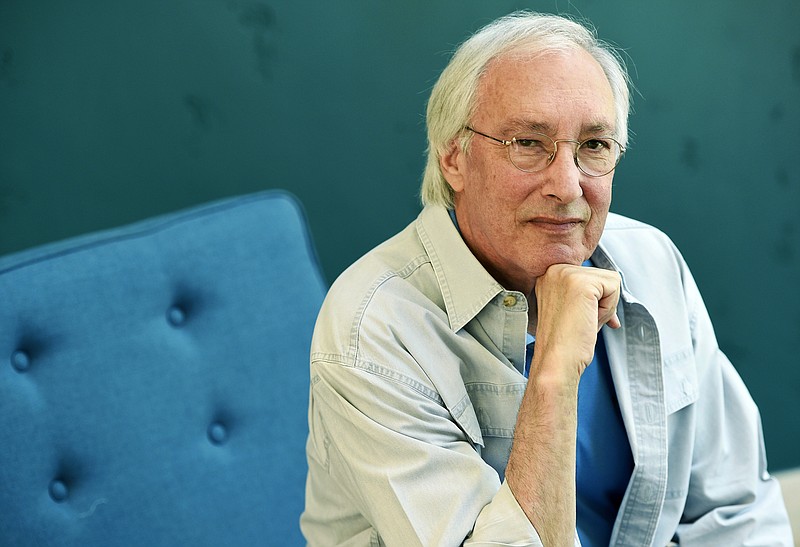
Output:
x=573 y=303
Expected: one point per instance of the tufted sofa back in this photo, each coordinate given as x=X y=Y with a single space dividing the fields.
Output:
x=153 y=381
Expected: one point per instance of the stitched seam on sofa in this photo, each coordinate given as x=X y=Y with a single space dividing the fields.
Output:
x=148 y=227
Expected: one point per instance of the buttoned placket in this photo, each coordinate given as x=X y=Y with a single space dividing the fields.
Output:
x=515 y=324
x=643 y=413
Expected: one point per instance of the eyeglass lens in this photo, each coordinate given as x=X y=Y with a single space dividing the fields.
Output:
x=596 y=156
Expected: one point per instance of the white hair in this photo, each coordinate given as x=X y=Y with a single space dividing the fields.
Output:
x=454 y=96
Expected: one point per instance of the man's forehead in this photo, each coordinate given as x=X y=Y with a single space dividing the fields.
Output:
x=545 y=91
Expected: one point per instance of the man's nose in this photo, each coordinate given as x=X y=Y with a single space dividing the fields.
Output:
x=562 y=177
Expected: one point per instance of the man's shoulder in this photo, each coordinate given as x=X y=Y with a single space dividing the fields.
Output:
x=637 y=247
x=395 y=272
x=374 y=308
x=397 y=256
x=623 y=233
x=617 y=222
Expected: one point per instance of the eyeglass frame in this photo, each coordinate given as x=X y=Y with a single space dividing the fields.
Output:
x=555 y=142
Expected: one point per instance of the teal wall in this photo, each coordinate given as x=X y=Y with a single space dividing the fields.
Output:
x=111 y=111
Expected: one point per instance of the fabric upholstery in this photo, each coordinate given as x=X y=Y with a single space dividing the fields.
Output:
x=154 y=381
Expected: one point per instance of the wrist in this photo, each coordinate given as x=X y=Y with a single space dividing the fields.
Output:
x=556 y=370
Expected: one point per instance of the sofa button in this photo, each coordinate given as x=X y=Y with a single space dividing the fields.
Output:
x=58 y=491
x=176 y=316
x=217 y=433
x=20 y=360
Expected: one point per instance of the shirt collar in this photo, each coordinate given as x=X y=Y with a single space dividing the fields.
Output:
x=465 y=284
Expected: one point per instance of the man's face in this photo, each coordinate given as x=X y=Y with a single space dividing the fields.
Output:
x=518 y=224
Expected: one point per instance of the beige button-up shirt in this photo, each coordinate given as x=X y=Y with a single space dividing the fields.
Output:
x=416 y=381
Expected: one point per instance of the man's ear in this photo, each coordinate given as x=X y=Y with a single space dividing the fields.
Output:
x=452 y=166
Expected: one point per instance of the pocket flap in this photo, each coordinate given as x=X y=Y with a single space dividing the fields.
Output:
x=680 y=380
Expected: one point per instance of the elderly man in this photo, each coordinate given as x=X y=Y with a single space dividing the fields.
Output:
x=518 y=366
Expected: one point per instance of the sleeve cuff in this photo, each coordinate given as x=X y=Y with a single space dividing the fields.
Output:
x=503 y=522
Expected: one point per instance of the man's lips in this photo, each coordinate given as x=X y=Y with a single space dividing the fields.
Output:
x=556 y=224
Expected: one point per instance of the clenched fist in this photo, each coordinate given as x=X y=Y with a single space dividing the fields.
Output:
x=572 y=304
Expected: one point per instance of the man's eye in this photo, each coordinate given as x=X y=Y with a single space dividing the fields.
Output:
x=596 y=145
x=529 y=143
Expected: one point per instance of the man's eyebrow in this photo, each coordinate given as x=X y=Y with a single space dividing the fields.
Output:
x=598 y=128
x=517 y=126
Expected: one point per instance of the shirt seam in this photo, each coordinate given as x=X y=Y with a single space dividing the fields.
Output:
x=403 y=273
x=377 y=369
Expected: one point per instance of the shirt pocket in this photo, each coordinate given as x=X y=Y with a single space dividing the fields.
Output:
x=496 y=407
x=680 y=380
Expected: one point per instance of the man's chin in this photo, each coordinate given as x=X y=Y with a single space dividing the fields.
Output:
x=566 y=254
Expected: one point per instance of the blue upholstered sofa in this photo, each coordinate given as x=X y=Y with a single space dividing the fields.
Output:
x=153 y=382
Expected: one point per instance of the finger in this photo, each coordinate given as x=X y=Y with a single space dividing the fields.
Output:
x=608 y=317
x=607 y=306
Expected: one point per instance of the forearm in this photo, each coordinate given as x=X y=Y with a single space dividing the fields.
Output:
x=541 y=467
x=572 y=304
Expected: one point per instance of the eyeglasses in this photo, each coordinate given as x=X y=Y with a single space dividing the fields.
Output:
x=533 y=152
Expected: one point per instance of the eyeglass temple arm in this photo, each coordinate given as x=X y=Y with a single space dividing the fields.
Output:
x=495 y=139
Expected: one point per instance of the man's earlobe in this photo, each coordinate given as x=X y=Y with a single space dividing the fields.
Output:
x=451 y=164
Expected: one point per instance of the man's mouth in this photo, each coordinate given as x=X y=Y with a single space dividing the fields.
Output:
x=557 y=224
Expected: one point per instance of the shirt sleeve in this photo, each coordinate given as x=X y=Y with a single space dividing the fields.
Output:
x=402 y=464
x=732 y=499
x=500 y=516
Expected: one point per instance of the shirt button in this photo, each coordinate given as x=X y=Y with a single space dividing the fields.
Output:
x=509 y=301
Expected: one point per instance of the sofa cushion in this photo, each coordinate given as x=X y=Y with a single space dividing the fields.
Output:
x=155 y=383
